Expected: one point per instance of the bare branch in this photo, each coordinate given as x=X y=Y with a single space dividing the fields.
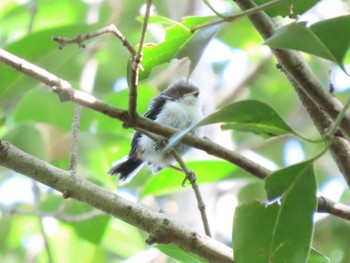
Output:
x=328 y=206
x=191 y=177
x=340 y=147
x=79 y=40
x=66 y=92
x=162 y=229
x=135 y=65
x=297 y=68
x=232 y=18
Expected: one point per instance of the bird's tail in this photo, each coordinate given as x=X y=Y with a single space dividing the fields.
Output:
x=126 y=169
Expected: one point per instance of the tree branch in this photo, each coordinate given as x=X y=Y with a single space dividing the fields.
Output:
x=161 y=228
x=135 y=65
x=191 y=177
x=326 y=205
x=297 y=68
x=340 y=147
x=66 y=92
x=79 y=40
x=252 y=10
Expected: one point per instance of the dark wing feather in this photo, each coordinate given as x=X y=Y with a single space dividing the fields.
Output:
x=152 y=114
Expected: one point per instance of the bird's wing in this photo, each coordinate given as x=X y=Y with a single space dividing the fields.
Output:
x=152 y=114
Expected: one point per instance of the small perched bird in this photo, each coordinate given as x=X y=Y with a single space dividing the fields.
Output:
x=178 y=106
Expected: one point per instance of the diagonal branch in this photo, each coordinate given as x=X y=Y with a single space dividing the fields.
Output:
x=340 y=147
x=80 y=39
x=66 y=92
x=135 y=65
x=192 y=178
x=322 y=106
x=162 y=228
x=297 y=68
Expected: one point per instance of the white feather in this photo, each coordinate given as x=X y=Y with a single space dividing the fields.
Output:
x=178 y=114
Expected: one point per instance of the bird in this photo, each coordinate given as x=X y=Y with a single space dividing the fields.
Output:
x=178 y=106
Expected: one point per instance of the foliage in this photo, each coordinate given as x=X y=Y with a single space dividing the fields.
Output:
x=274 y=220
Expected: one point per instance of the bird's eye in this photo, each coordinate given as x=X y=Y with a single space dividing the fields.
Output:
x=196 y=93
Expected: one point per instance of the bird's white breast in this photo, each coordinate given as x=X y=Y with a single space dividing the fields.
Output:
x=178 y=114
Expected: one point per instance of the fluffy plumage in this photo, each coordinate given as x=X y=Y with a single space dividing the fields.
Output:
x=178 y=106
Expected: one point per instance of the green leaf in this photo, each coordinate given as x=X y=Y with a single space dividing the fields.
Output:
x=195 y=46
x=169 y=181
x=252 y=191
x=179 y=42
x=279 y=232
x=252 y=232
x=294 y=224
x=179 y=254
x=279 y=183
x=264 y=130
x=248 y=115
x=288 y=8
x=329 y=39
x=317 y=257
x=251 y=112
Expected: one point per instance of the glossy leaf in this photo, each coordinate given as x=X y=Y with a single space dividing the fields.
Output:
x=290 y=8
x=294 y=226
x=248 y=115
x=281 y=231
x=329 y=39
x=179 y=42
x=251 y=234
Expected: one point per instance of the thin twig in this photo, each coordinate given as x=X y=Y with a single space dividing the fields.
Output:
x=191 y=177
x=135 y=65
x=339 y=147
x=240 y=14
x=297 y=68
x=73 y=158
x=207 y=3
x=169 y=230
x=67 y=93
x=79 y=40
